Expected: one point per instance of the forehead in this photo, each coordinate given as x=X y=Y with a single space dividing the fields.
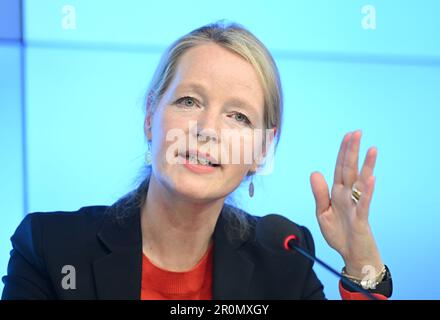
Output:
x=221 y=72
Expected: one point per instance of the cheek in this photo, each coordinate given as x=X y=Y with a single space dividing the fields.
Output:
x=164 y=124
x=247 y=148
x=240 y=155
x=172 y=138
x=232 y=176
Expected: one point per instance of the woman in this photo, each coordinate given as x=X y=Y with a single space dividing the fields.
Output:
x=174 y=237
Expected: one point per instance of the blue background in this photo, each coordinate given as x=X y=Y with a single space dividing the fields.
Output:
x=71 y=113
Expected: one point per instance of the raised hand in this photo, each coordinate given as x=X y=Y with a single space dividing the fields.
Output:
x=342 y=220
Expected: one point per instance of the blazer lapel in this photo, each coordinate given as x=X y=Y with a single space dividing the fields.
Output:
x=118 y=274
x=232 y=269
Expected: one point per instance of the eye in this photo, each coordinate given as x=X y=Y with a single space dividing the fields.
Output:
x=187 y=102
x=240 y=117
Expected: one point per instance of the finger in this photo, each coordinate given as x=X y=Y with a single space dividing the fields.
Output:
x=363 y=206
x=340 y=160
x=369 y=164
x=320 y=192
x=350 y=166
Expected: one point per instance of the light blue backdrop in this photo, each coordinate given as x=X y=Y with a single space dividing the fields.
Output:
x=87 y=65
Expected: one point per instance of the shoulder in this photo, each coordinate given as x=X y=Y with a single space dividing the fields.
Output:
x=57 y=227
x=45 y=242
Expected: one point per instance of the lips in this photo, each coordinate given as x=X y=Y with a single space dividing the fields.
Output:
x=196 y=157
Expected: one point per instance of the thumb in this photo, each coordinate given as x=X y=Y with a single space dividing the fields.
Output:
x=320 y=192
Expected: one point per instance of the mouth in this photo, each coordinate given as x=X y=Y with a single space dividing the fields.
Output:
x=197 y=158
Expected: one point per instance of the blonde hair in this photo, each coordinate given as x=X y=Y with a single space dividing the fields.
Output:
x=237 y=39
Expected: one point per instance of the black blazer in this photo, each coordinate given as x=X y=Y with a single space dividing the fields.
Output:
x=107 y=256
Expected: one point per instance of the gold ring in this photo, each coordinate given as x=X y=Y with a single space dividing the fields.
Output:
x=355 y=194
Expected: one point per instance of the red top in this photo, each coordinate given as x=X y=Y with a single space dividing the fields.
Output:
x=160 y=284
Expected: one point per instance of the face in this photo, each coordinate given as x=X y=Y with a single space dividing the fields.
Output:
x=202 y=131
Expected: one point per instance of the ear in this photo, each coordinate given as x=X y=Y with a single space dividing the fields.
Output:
x=148 y=116
x=147 y=126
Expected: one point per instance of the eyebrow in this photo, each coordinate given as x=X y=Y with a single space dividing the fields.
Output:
x=235 y=101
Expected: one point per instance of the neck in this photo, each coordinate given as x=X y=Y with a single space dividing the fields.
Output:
x=176 y=233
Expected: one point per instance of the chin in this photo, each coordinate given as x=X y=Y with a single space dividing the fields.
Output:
x=197 y=188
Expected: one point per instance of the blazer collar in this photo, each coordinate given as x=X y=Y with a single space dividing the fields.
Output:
x=118 y=274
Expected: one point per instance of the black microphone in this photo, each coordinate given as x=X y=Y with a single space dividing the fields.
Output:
x=278 y=234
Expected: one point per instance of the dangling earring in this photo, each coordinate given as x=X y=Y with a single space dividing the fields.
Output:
x=251 y=187
x=148 y=155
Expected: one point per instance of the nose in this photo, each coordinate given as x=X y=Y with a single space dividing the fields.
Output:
x=205 y=127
